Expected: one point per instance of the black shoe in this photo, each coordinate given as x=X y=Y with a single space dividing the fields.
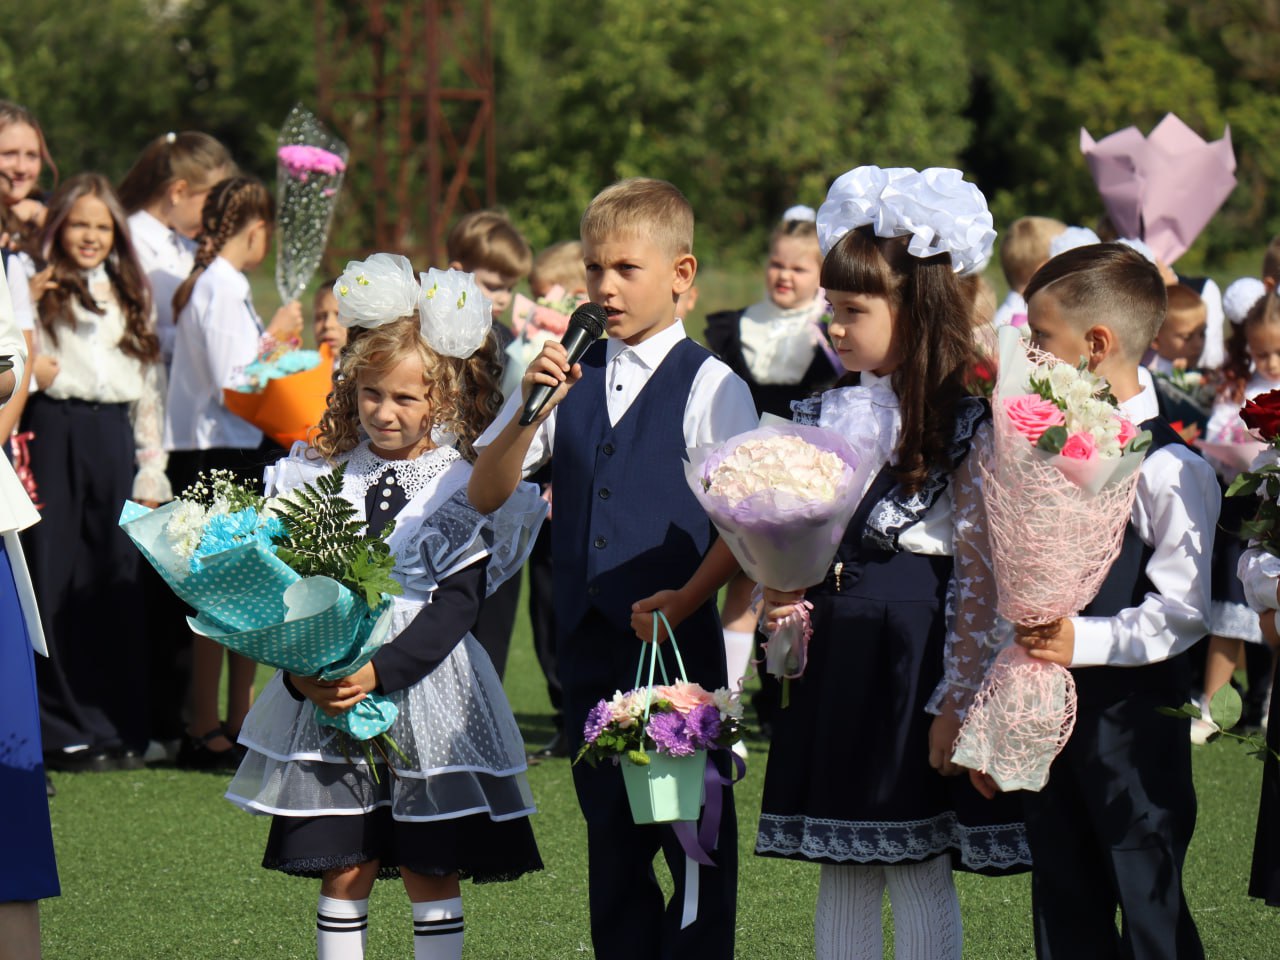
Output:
x=90 y=760
x=49 y=789
x=196 y=754
x=557 y=747
x=126 y=758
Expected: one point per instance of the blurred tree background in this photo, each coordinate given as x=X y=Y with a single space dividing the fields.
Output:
x=748 y=105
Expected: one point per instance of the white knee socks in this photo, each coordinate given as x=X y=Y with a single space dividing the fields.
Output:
x=926 y=911
x=738 y=647
x=846 y=925
x=437 y=930
x=342 y=928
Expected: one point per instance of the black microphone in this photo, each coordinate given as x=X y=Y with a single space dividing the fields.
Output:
x=585 y=327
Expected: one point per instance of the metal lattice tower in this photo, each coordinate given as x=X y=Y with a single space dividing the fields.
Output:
x=409 y=85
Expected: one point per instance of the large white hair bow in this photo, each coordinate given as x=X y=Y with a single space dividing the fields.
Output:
x=937 y=208
x=376 y=291
x=454 y=317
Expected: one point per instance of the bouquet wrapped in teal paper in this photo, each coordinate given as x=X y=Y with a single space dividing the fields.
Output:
x=292 y=582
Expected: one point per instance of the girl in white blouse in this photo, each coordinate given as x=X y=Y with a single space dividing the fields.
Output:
x=96 y=424
x=218 y=335
x=164 y=193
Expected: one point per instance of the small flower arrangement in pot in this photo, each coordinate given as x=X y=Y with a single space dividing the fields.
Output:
x=660 y=735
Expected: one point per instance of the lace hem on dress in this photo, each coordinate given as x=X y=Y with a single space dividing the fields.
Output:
x=995 y=847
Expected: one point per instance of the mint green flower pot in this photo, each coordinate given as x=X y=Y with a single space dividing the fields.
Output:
x=666 y=789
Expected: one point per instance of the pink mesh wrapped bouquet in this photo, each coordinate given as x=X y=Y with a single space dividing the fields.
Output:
x=781 y=497
x=1058 y=491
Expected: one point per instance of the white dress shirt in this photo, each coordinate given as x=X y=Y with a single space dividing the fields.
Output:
x=1175 y=513
x=167 y=258
x=719 y=404
x=777 y=344
x=93 y=368
x=1014 y=305
x=21 y=269
x=217 y=337
x=16 y=511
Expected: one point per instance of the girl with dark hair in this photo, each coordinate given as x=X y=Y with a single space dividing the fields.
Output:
x=860 y=777
x=218 y=335
x=96 y=420
x=164 y=193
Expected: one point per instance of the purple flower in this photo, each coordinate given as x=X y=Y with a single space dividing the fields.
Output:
x=703 y=726
x=597 y=720
x=670 y=733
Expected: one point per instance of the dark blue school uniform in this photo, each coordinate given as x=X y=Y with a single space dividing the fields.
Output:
x=849 y=780
x=627 y=526
x=1111 y=827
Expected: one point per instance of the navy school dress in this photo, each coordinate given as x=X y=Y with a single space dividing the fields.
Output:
x=30 y=872
x=849 y=780
x=626 y=526
x=1111 y=827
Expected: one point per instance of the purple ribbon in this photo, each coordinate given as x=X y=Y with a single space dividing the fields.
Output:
x=698 y=841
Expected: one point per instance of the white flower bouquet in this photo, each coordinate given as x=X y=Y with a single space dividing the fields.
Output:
x=290 y=582
x=781 y=497
x=1058 y=493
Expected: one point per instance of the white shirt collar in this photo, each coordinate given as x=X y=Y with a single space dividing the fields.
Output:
x=148 y=230
x=1143 y=405
x=651 y=352
x=224 y=273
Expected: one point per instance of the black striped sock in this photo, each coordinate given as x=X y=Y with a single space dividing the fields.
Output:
x=342 y=928
x=437 y=930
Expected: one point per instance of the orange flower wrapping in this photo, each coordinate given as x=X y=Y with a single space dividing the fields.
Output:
x=289 y=408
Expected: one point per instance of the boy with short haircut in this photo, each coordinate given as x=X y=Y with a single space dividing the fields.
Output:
x=328 y=330
x=1023 y=249
x=1180 y=339
x=559 y=265
x=486 y=243
x=627 y=527
x=1112 y=825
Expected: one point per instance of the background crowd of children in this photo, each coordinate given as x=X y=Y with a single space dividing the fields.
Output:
x=136 y=312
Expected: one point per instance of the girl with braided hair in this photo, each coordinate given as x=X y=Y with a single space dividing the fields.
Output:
x=218 y=335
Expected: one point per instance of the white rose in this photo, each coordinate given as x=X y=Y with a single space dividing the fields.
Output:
x=1061 y=379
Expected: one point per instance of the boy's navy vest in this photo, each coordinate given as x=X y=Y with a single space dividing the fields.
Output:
x=1127 y=586
x=626 y=523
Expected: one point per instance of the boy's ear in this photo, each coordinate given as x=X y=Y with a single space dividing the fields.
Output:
x=1102 y=343
x=455 y=265
x=685 y=269
x=1269 y=283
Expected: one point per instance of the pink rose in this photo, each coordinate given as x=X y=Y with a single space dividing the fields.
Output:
x=1032 y=415
x=683 y=696
x=1080 y=446
x=1127 y=432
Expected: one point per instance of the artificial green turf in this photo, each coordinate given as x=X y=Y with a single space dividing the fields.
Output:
x=155 y=864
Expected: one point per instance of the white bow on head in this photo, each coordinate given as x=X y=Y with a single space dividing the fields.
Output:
x=940 y=210
x=454 y=316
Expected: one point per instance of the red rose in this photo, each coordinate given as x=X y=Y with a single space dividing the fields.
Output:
x=1262 y=416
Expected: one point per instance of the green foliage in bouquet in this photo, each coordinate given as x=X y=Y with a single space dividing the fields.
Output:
x=326 y=538
x=1225 y=710
x=1265 y=525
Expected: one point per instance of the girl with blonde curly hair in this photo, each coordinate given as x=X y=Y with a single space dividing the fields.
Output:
x=417 y=382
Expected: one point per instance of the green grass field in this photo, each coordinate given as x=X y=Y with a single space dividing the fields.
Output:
x=155 y=864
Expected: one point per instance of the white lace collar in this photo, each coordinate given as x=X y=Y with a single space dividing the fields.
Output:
x=869 y=412
x=365 y=468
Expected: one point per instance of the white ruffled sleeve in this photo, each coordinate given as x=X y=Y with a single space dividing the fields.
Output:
x=1259 y=572
x=975 y=632
x=456 y=535
x=302 y=466
x=147 y=414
